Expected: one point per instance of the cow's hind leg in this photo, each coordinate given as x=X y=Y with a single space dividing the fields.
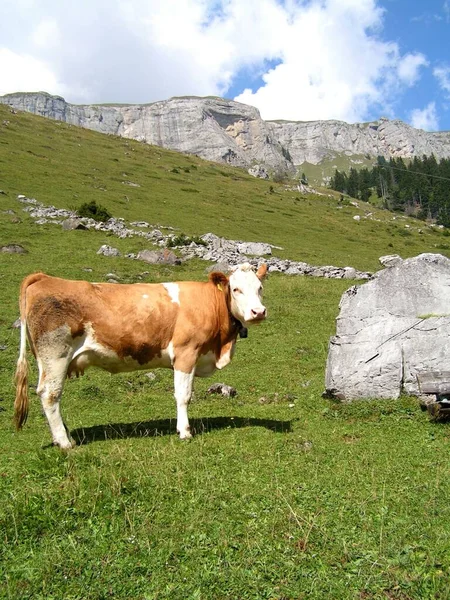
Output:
x=52 y=375
x=183 y=392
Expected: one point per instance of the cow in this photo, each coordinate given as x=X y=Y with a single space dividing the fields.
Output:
x=188 y=326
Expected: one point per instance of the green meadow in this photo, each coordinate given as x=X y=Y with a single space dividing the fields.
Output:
x=281 y=494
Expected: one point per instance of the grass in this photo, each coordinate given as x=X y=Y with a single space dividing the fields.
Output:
x=282 y=494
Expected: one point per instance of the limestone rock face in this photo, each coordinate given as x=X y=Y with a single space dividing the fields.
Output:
x=314 y=140
x=227 y=131
x=392 y=329
x=214 y=129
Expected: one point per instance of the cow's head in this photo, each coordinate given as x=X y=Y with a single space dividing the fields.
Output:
x=246 y=294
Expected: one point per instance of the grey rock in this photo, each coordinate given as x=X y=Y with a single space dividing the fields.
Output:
x=13 y=249
x=222 y=267
x=390 y=330
x=72 y=223
x=139 y=224
x=390 y=260
x=227 y=391
x=108 y=251
x=259 y=171
x=254 y=248
x=166 y=257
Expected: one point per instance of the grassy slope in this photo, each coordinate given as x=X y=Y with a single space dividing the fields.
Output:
x=65 y=166
x=281 y=494
x=317 y=174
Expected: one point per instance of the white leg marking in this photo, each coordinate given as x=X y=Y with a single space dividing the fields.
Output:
x=183 y=392
x=171 y=352
x=173 y=289
x=55 y=352
x=51 y=382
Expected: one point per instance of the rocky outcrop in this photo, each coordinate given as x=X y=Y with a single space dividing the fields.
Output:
x=227 y=131
x=212 y=128
x=315 y=140
x=212 y=248
x=392 y=330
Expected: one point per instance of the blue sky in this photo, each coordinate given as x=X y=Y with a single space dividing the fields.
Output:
x=352 y=60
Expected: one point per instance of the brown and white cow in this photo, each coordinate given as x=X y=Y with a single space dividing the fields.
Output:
x=190 y=327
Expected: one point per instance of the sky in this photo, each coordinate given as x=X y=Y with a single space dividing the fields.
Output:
x=300 y=60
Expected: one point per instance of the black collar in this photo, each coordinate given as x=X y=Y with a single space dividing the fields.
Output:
x=241 y=330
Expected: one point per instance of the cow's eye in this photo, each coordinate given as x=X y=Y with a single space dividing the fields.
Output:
x=236 y=291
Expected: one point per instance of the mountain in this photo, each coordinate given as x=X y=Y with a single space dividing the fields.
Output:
x=227 y=131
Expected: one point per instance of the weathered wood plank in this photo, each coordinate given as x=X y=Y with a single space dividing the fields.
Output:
x=434 y=382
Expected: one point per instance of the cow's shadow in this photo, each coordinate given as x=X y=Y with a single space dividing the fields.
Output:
x=116 y=431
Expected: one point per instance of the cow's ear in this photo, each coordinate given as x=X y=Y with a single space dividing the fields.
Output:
x=219 y=280
x=261 y=272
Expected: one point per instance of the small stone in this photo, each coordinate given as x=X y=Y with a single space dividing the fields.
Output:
x=221 y=388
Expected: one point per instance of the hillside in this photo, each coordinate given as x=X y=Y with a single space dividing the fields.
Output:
x=282 y=493
x=234 y=133
x=62 y=165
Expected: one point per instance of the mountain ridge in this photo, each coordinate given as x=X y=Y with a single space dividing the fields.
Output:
x=226 y=131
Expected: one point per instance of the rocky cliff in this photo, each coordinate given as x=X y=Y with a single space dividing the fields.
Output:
x=226 y=131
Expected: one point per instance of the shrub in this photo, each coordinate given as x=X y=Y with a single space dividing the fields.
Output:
x=92 y=210
x=184 y=240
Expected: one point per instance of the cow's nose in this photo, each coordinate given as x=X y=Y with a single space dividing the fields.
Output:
x=259 y=312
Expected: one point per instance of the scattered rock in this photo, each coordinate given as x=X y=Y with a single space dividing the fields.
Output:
x=108 y=251
x=70 y=224
x=227 y=391
x=391 y=260
x=131 y=184
x=14 y=249
x=259 y=171
x=165 y=257
x=225 y=253
x=254 y=248
x=222 y=267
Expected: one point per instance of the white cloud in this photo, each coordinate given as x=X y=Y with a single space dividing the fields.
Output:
x=46 y=34
x=333 y=65
x=330 y=60
x=442 y=74
x=446 y=9
x=425 y=118
x=25 y=73
x=409 y=66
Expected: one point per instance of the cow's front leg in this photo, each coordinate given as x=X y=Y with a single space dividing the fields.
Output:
x=183 y=392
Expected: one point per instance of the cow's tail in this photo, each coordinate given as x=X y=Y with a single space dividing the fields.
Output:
x=22 y=401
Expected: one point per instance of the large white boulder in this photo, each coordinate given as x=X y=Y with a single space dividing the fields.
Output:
x=391 y=329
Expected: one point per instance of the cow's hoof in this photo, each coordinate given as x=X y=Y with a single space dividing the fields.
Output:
x=186 y=435
x=66 y=446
